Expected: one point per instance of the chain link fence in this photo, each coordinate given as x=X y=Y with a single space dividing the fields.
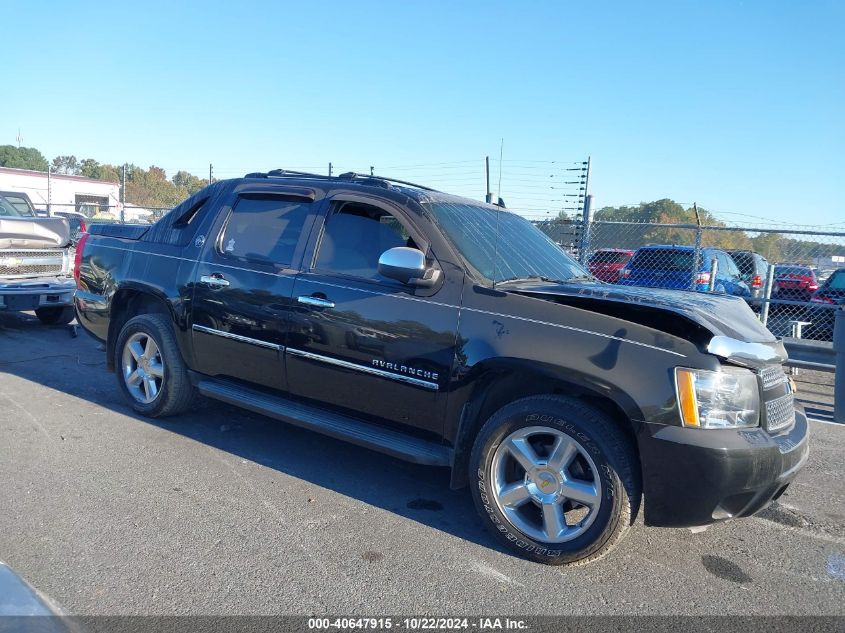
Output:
x=82 y=215
x=793 y=278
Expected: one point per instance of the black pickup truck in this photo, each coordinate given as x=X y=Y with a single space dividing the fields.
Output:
x=450 y=332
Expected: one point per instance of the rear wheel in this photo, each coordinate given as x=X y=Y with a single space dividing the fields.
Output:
x=55 y=315
x=556 y=480
x=150 y=369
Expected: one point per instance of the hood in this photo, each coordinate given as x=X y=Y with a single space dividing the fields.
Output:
x=707 y=318
x=34 y=233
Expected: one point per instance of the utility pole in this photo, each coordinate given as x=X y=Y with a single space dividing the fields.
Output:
x=697 y=253
x=330 y=170
x=587 y=180
x=49 y=188
x=586 y=228
x=123 y=197
x=210 y=173
x=488 y=195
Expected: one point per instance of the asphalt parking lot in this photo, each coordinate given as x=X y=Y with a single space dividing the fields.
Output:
x=222 y=511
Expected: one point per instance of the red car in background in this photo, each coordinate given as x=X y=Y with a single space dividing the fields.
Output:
x=606 y=264
x=794 y=282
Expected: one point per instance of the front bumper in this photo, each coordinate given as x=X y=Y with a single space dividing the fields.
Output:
x=695 y=477
x=30 y=294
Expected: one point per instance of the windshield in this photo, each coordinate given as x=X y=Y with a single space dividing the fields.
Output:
x=521 y=250
x=664 y=259
x=15 y=206
x=609 y=257
x=793 y=270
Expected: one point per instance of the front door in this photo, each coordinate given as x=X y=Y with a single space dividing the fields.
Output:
x=243 y=286
x=364 y=342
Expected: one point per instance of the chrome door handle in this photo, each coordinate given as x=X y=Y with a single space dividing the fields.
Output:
x=216 y=282
x=317 y=302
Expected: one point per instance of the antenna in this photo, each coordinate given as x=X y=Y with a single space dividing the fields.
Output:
x=19 y=138
x=501 y=152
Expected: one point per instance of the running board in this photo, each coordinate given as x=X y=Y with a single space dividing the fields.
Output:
x=337 y=425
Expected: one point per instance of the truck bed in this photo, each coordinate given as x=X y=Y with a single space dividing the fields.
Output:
x=124 y=231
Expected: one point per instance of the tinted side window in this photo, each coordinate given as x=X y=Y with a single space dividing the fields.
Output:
x=744 y=262
x=729 y=266
x=15 y=206
x=354 y=238
x=608 y=257
x=664 y=259
x=836 y=281
x=264 y=230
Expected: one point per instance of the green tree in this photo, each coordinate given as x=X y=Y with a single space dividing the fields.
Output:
x=22 y=158
x=90 y=168
x=188 y=183
x=66 y=165
x=769 y=246
x=639 y=228
x=150 y=188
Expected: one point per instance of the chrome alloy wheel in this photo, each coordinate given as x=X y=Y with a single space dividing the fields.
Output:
x=143 y=367
x=546 y=484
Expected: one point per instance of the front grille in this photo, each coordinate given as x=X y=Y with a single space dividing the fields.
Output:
x=772 y=376
x=780 y=413
x=30 y=263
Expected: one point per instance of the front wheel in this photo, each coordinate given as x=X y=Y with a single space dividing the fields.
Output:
x=556 y=480
x=150 y=369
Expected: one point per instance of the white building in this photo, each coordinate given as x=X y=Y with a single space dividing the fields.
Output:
x=62 y=193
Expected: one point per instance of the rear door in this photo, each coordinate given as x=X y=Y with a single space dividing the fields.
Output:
x=244 y=280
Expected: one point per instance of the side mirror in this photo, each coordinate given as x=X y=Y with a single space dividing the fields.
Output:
x=407 y=265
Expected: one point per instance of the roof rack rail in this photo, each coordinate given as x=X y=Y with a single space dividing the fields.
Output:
x=379 y=181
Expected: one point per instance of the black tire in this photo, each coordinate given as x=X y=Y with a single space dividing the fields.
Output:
x=607 y=445
x=176 y=393
x=55 y=315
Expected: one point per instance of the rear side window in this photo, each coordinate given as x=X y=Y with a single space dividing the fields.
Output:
x=837 y=281
x=264 y=230
x=744 y=261
x=609 y=257
x=15 y=206
x=664 y=259
x=727 y=267
x=793 y=270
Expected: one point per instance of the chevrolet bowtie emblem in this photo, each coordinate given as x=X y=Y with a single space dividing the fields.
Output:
x=11 y=262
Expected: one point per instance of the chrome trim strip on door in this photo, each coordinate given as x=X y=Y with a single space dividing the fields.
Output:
x=433 y=386
x=238 y=337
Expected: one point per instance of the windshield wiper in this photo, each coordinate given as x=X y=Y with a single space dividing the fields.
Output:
x=527 y=278
x=548 y=279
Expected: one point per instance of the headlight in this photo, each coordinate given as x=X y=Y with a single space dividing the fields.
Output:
x=723 y=399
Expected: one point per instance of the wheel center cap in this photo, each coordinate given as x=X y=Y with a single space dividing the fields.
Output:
x=543 y=484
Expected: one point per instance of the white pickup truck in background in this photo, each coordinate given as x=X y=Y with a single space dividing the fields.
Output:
x=36 y=261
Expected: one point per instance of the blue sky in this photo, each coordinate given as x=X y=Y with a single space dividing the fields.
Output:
x=735 y=105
